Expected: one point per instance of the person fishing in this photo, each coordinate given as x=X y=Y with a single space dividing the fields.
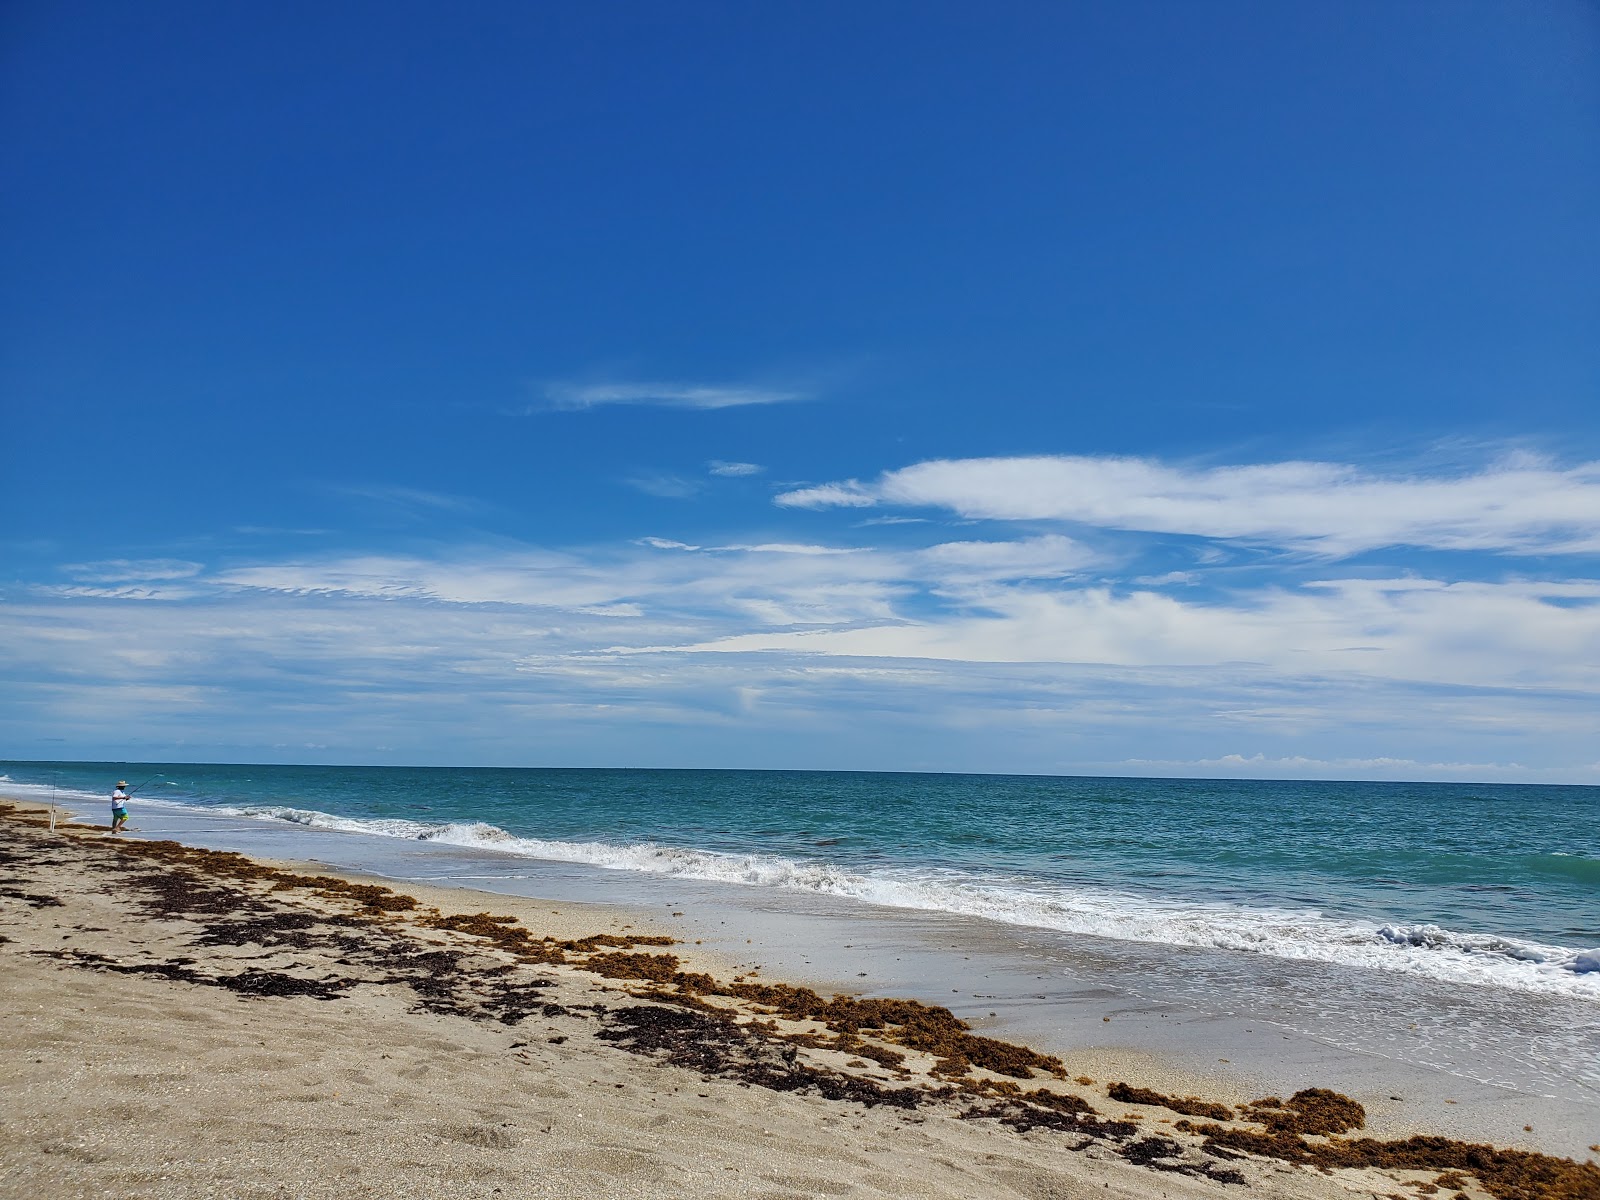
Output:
x=119 y=806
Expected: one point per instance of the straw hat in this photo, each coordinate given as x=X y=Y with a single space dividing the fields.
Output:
x=122 y=783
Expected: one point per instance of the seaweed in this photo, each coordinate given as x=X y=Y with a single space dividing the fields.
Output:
x=249 y=982
x=1021 y=1115
x=910 y=1023
x=715 y=1044
x=1164 y=1154
x=31 y=899
x=1311 y=1111
x=1191 y=1106
x=1504 y=1174
x=619 y=964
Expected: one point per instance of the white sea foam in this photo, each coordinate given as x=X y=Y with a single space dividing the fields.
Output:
x=41 y=793
x=1306 y=935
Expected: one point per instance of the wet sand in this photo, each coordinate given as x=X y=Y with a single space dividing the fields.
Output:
x=187 y=1023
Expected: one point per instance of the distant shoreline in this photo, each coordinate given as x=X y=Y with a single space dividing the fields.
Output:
x=1464 y=781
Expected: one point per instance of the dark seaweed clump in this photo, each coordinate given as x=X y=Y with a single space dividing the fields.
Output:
x=1504 y=1174
x=922 y=1027
x=1311 y=1111
x=1189 y=1106
x=249 y=982
x=715 y=1044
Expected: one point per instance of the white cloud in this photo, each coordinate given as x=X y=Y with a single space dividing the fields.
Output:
x=1029 y=558
x=939 y=654
x=788 y=548
x=849 y=494
x=664 y=485
x=665 y=544
x=717 y=467
x=1464 y=634
x=410 y=497
x=124 y=592
x=757 y=548
x=1013 y=601
x=816 y=584
x=1520 y=505
x=530 y=649
x=737 y=586
x=124 y=570
x=667 y=395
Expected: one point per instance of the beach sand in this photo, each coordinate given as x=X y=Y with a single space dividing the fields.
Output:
x=189 y=1023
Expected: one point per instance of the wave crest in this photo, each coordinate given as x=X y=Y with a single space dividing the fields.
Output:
x=1305 y=935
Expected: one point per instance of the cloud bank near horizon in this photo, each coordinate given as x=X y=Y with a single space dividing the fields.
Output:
x=916 y=646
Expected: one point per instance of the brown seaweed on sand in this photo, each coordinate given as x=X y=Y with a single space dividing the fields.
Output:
x=1191 y=1106
x=1311 y=1111
x=922 y=1027
x=716 y=1044
x=1504 y=1174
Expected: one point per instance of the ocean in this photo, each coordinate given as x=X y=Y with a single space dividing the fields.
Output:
x=1471 y=910
x=1488 y=884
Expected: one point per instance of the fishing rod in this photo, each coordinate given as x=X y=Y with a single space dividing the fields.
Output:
x=152 y=779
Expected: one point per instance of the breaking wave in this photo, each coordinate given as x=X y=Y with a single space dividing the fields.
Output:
x=1301 y=934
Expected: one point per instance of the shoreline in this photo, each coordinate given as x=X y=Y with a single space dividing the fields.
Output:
x=892 y=1082
x=1226 y=1024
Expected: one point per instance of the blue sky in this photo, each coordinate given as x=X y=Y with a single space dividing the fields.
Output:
x=1140 y=388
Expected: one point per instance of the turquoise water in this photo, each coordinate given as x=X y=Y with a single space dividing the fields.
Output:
x=1488 y=884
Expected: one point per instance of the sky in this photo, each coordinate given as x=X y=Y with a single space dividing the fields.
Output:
x=1049 y=388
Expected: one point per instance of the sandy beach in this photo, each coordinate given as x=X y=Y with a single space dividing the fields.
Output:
x=192 y=1023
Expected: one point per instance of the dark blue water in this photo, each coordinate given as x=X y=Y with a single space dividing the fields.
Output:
x=1479 y=883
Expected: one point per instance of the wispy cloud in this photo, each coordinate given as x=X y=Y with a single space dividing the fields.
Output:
x=277 y=531
x=1016 y=601
x=1046 y=557
x=787 y=548
x=664 y=484
x=536 y=659
x=124 y=592
x=1520 y=505
x=1117 y=653
x=734 y=469
x=850 y=494
x=577 y=396
x=123 y=570
x=400 y=496
x=751 y=547
x=962 y=654
x=1462 y=634
x=664 y=544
